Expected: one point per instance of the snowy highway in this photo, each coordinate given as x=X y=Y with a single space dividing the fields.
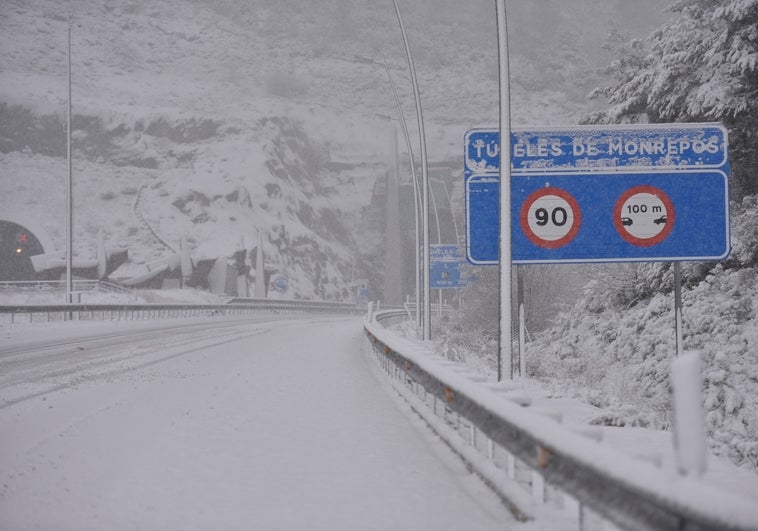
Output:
x=255 y=424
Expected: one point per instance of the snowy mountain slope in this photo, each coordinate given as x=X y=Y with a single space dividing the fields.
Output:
x=219 y=119
x=166 y=158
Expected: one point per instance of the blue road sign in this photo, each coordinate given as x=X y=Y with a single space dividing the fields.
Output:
x=572 y=209
x=445 y=262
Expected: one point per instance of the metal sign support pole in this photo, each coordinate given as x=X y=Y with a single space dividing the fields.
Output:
x=521 y=321
x=427 y=320
x=505 y=347
x=678 y=307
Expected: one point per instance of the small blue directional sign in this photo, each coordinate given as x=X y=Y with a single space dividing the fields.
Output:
x=620 y=193
x=445 y=262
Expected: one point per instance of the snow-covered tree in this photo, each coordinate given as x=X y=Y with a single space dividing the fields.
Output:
x=701 y=66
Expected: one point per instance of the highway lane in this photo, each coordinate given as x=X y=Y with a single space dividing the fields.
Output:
x=264 y=425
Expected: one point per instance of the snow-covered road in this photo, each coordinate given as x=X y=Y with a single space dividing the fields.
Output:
x=282 y=426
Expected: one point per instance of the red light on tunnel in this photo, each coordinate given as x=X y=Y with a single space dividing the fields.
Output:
x=22 y=238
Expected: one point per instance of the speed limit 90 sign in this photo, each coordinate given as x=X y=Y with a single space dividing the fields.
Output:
x=550 y=217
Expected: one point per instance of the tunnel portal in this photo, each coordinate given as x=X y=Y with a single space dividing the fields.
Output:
x=17 y=245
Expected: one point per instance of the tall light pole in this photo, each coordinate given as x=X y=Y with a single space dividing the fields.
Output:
x=69 y=183
x=414 y=177
x=505 y=347
x=427 y=321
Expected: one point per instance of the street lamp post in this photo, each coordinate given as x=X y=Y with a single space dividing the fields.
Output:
x=414 y=177
x=505 y=348
x=427 y=332
x=69 y=182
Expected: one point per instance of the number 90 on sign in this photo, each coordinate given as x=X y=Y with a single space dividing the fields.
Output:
x=550 y=217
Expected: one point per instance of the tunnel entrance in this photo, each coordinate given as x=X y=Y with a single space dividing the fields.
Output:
x=17 y=245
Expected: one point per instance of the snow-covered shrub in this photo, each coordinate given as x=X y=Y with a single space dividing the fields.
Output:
x=700 y=65
x=621 y=286
x=720 y=322
x=477 y=351
x=624 y=355
x=745 y=232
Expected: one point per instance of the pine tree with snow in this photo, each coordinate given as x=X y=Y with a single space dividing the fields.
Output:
x=701 y=66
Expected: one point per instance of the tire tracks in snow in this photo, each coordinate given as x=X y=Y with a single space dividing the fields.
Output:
x=69 y=364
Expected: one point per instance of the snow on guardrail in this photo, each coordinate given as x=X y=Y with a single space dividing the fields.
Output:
x=630 y=493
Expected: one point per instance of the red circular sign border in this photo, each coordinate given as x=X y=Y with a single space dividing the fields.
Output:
x=670 y=216
x=524 y=218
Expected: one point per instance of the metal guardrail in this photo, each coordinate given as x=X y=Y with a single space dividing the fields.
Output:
x=577 y=476
x=78 y=285
x=128 y=312
x=343 y=308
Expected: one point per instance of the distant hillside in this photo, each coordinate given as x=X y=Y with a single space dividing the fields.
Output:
x=219 y=119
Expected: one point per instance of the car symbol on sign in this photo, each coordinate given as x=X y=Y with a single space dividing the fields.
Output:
x=660 y=220
x=626 y=221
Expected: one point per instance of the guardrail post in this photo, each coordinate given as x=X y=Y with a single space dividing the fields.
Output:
x=572 y=508
x=511 y=465
x=538 y=486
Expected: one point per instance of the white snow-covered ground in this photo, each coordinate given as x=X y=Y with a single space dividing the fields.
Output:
x=643 y=443
x=282 y=426
x=642 y=456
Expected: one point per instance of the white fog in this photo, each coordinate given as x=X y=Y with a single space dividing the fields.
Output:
x=252 y=154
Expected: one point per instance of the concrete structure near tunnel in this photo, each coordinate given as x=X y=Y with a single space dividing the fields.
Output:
x=27 y=253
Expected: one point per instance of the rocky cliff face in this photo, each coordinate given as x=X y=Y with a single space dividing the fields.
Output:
x=216 y=181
